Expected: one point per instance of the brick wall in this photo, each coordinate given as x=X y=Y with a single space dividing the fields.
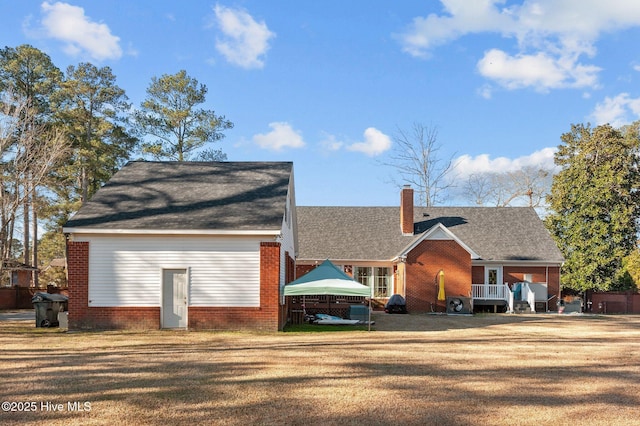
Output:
x=515 y=274
x=406 y=210
x=121 y=318
x=477 y=275
x=78 y=283
x=269 y=316
x=553 y=287
x=422 y=266
x=303 y=269
x=290 y=271
x=8 y=298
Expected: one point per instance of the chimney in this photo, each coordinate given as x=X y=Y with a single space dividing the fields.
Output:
x=406 y=210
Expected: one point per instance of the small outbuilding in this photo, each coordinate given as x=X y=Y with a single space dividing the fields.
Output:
x=186 y=245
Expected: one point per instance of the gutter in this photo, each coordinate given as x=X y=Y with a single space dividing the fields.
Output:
x=103 y=231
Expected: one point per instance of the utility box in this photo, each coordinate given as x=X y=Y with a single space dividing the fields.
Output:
x=47 y=307
x=63 y=320
x=358 y=312
x=459 y=305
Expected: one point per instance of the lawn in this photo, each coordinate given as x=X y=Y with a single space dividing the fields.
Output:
x=412 y=369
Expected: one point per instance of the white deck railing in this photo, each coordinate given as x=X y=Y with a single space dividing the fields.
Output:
x=493 y=292
x=490 y=291
x=529 y=296
x=502 y=292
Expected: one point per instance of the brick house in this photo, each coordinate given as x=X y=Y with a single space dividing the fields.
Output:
x=194 y=245
x=494 y=258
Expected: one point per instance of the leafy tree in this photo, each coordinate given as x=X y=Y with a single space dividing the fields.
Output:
x=176 y=127
x=594 y=204
x=630 y=275
x=416 y=161
x=90 y=107
x=52 y=247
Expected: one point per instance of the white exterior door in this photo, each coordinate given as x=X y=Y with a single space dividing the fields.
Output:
x=174 y=298
x=493 y=278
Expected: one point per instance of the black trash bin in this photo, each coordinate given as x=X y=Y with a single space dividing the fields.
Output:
x=47 y=307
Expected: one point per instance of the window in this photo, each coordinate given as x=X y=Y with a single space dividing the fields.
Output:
x=381 y=282
x=378 y=277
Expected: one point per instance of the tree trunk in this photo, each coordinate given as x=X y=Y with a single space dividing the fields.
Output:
x=27 y=224
x=34 y=276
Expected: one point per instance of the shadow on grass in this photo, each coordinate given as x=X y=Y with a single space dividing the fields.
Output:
x=319 y=328
x=475 y=377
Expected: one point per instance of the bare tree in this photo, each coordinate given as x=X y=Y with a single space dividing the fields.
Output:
x=415 y=160
x=29 y=149
x=529 y=186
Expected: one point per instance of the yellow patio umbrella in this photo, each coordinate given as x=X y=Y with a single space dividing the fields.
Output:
x=441 y=295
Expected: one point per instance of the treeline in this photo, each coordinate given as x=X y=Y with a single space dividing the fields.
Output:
x=64 y=134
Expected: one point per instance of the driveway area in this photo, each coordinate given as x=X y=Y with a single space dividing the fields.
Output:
x=18 y=315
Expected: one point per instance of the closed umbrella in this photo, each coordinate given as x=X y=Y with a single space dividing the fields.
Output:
x=441 y=295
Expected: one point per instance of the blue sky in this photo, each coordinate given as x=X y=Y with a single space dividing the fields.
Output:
x=327 y=84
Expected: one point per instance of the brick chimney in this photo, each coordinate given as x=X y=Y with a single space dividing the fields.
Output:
x=406 y=210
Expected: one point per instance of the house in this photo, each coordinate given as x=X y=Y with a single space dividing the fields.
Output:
x=197 y=245
x=17 y=273
x=495 y=258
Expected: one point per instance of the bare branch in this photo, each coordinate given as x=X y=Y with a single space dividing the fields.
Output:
x=29 y=150
x=529 y=186
x=416 y=162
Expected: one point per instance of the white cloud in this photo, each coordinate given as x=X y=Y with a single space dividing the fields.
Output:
x=466 y=165
x=617 y=111
x=375 y=143
x=330 y=143
x=462 y=17
x=244 y=40
x=550 y=37
x=540 y=71
x=281 y=136
x=69 y=24
x=486 y=91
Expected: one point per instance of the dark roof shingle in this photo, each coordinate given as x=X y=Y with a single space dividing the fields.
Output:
x=190 y=195
x=373 y=233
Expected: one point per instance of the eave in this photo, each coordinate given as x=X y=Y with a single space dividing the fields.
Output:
x=103 y=231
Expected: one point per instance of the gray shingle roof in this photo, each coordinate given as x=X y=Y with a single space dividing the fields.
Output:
x=373 y=233
x=190 y=195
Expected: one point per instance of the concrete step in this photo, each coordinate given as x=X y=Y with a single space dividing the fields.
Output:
x=521 y=307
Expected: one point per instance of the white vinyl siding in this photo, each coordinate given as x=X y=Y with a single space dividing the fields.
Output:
x=127 y=270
